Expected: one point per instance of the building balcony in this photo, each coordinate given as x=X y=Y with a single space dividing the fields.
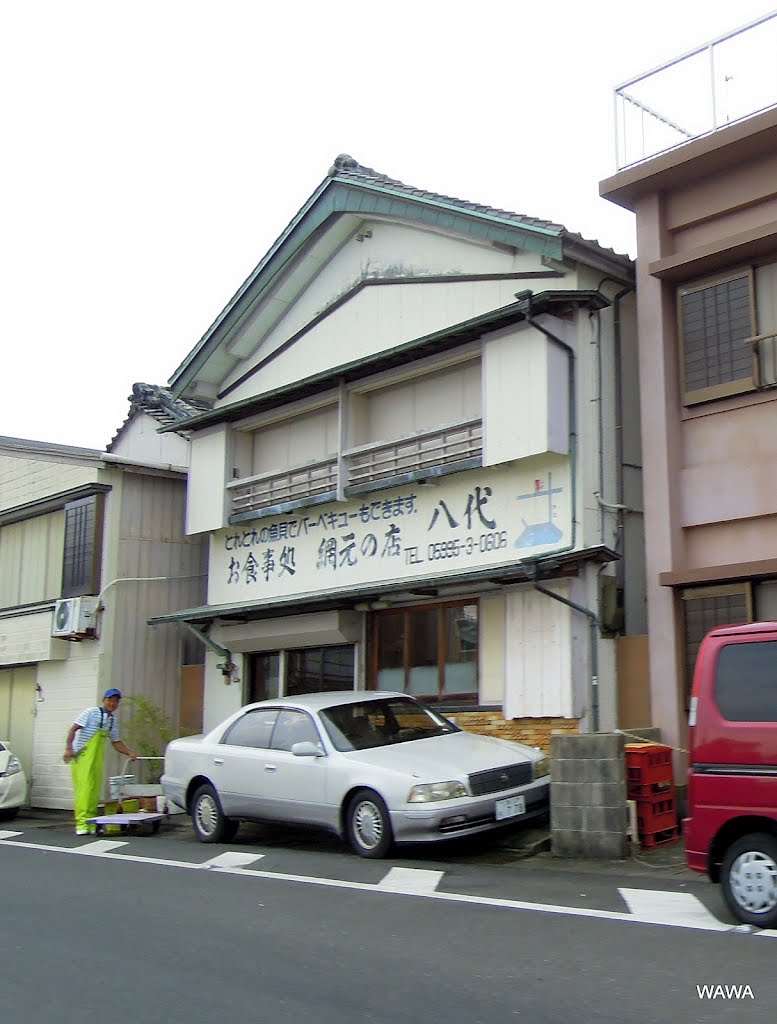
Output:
x=432 y=453
x=269 y=493
x=450 y=449
x=717 y=84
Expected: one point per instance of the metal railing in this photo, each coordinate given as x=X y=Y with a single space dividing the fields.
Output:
x=424 y=451
x=722 y=81
x=765 y=351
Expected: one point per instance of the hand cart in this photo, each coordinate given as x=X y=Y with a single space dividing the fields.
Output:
x=123 y=789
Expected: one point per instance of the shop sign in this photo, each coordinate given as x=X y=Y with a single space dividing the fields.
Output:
x=486 y=517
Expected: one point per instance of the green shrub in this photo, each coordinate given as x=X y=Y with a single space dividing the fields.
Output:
x=147 y=731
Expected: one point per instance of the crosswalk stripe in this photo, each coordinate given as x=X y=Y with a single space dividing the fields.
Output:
x=410 y=880
x=678 y=908
x=99 y=847
x=232 y=859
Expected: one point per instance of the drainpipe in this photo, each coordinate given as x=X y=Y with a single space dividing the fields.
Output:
x=618 y=505
x=525 y=297
x=594 y=645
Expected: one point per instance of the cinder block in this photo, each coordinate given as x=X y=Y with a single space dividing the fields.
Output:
x=605 y=819
x=567 y=818
x=587 y=745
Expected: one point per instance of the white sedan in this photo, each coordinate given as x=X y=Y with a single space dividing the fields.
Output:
x=374 y=768
x=13 y=783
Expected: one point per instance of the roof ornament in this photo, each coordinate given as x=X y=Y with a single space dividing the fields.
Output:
x=343 y=162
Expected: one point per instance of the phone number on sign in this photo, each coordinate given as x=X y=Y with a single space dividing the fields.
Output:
x=454 y=548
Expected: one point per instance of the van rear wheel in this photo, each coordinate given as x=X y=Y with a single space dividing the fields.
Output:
x=748 y=876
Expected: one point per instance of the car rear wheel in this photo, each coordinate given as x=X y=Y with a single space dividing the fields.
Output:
x=368 y=825
x=210 y=824
x=748 y=876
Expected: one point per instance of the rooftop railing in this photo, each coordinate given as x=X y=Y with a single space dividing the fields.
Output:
x=721 y=82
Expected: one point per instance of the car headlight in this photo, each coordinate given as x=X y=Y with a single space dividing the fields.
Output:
x=436 y=791
x=541 y=768
x=14 y=767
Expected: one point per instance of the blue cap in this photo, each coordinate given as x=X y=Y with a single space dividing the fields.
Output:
x=112 y=693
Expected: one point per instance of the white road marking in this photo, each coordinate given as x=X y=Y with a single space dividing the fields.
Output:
x=411 y=881
x=673 y=908
x=10 y=835
x=100 y=847
x=232 y=859
x=336 y=883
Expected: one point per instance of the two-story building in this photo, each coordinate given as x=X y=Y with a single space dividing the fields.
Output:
x=92 y=544
x=421 y=468
x=706 y=216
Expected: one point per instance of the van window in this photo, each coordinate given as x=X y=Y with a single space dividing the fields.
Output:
x=746 y=682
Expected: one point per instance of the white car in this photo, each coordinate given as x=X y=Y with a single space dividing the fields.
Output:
x=13 y=783
x=372 y=767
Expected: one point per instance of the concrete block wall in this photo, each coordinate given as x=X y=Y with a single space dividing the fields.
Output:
x=588 y=809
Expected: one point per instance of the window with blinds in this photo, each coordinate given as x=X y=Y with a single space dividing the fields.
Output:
x=717 y=327
x=705 y=609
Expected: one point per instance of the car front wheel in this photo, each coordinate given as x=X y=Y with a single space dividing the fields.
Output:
x=210 y=824
x=748 y=876
x=369 y=825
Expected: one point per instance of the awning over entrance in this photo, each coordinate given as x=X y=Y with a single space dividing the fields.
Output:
x=483 y=581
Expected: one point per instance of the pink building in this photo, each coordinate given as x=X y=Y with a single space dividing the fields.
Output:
x=706 y=217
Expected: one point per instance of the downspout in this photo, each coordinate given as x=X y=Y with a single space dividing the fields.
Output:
x=594 y=645
x=619 y=505
x=526 y=297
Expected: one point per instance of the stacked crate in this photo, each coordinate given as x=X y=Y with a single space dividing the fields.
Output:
x=650 y=783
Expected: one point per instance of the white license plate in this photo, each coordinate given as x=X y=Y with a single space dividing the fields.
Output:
x=510 y=807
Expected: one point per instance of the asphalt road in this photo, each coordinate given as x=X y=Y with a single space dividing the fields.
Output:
x=165 y=929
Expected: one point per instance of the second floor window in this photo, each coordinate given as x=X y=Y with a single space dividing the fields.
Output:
x=717 y=326
x=82 y=553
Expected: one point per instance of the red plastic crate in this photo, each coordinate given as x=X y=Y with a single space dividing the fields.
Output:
x=652 y=839
x=656 y=815
x=648 y=764
x=650 y=790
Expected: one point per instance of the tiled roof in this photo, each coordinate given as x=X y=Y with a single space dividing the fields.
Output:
x=160 y=404
x=345 y=168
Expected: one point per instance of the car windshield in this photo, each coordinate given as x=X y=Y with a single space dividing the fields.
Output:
x=380 y=723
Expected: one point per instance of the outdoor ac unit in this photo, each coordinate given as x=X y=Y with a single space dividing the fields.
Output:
x=75 y=618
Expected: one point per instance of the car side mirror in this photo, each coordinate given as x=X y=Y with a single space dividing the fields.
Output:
x=306 y=748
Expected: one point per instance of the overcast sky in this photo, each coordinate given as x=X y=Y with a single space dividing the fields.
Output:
x=154 y=150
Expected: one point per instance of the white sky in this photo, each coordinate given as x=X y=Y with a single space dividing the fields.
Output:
x=153 y=151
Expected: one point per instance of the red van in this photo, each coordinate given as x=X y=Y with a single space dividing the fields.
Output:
x=731 y=831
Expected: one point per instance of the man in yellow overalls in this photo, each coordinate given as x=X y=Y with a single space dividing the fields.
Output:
x=85 y=751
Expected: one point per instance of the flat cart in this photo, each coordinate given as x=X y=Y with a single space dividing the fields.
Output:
x=123 y=789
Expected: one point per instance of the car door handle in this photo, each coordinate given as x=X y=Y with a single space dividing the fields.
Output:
x=218 y=760
x=271 y=768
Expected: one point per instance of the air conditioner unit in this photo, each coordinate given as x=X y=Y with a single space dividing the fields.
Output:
x=75 y=618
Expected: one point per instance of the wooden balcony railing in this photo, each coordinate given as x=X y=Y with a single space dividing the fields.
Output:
x=265 y=491
x=429 y=451
x=426 y=451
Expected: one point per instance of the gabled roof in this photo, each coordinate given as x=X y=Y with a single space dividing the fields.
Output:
x=350 y=188
x=161 y=405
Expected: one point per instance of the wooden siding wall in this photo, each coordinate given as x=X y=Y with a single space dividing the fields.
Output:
x=142 y=659
x=31 y=560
